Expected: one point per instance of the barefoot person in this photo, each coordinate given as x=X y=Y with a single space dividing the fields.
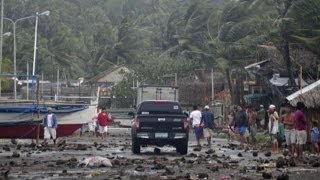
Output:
x=195 y=117
x=209 y=125
x=104 y=120
x=241 y=124
x=273 y=127
x=252 y=125
x=301 y=128
x=50 y=124
x=315 y=137
x=289 y=128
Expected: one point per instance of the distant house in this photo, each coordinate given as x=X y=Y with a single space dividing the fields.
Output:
x=108 y=79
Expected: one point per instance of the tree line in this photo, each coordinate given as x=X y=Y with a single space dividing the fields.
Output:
x=157 y=37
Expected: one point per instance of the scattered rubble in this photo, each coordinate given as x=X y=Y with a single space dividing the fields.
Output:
x=113 y=159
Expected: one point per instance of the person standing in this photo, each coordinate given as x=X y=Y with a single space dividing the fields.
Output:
x=301 y=128
x=50 y=124
x=241 y=124
x=195 y=117
x=103 y=120
x=289 y=128
x=315 y=137
x=209 y=125
x=92 y=125
x=261 y=118
x=252 y=125
x=230 y=124
x=273 y=127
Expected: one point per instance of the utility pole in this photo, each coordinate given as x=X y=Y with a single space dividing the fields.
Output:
x=212 y=87
x=1 y=40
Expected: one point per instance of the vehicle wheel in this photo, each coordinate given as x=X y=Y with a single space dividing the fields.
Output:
x=135 y=146
x=182 y=148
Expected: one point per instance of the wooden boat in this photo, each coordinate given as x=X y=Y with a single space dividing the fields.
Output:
x=31 y=129
x=42 y=109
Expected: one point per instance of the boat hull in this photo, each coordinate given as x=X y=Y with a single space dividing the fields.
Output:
x=34 y=130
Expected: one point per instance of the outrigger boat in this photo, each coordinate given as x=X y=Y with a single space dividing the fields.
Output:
x=32 y=129
x=23 y=119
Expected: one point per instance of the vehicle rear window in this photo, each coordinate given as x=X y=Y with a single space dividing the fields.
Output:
x=159 y=107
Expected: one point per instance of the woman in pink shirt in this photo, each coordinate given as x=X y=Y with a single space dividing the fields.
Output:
x=301 y=128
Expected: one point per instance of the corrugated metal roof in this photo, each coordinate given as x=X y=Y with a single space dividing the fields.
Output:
x=284 y=81
x=310 y=95
x=257 y=64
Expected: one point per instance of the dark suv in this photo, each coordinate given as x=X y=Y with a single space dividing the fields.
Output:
x=160 y=123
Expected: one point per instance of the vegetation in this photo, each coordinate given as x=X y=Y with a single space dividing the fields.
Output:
x=157 y=37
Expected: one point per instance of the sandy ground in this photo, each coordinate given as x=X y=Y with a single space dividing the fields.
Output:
x=224 y=160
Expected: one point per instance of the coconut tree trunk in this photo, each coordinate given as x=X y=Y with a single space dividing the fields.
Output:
x=286 y=56
x=230 y=84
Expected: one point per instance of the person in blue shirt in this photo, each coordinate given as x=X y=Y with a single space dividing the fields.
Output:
x=315 y=136
x=241 y=124
x=208 y=124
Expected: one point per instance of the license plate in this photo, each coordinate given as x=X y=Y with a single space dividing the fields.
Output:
x=161 y=135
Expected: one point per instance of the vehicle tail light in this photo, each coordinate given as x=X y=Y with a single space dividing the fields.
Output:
x=137 y=123
x=186 y=123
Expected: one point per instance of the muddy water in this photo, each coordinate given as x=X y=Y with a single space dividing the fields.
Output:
x=224 y=161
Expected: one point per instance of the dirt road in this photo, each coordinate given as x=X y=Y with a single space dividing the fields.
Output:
x=224 y=160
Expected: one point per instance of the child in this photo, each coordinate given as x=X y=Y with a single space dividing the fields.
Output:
x=315 y=136
x=273 y=127
x=230 y=125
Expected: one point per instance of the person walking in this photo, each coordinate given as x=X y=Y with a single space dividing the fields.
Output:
x=273 y=127
x=289 y=128
x=301 y=128
x=103 y=120
x=92 y=124
x=315 y=137
x=241 y=124
x=252 y=125
x=261 y=118
x=209 y=125
x=195 y=117
x=50 y=124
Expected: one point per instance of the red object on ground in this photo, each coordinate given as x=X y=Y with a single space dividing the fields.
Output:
x=31 y=131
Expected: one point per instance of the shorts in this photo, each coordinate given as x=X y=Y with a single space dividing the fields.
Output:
x=290 y=135
x=198 y=131
x=103 y=129
x=242 y=130
x=92 y=126
x=50 y=133
x=207 y=132
x=301 y=137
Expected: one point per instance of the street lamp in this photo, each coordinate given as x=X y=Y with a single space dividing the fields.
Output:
x=15 y=43
x=46 y=13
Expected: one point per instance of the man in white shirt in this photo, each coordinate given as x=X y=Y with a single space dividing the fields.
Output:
x=196 y=117
x=50 y=125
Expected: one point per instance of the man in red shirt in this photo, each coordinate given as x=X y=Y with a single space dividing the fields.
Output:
x=104 y=120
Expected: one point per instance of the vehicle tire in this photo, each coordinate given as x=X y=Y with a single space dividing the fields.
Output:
x=135 y=146
x=182 y=148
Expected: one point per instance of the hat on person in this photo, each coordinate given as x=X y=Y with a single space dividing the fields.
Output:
x=272 y=106
x=206 y=107
x=261 y=106
x=49 y=109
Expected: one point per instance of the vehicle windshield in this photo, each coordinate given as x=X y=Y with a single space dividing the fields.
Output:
x=159 y=107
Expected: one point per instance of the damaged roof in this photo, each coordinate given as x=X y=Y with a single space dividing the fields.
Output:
x=310 y=95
